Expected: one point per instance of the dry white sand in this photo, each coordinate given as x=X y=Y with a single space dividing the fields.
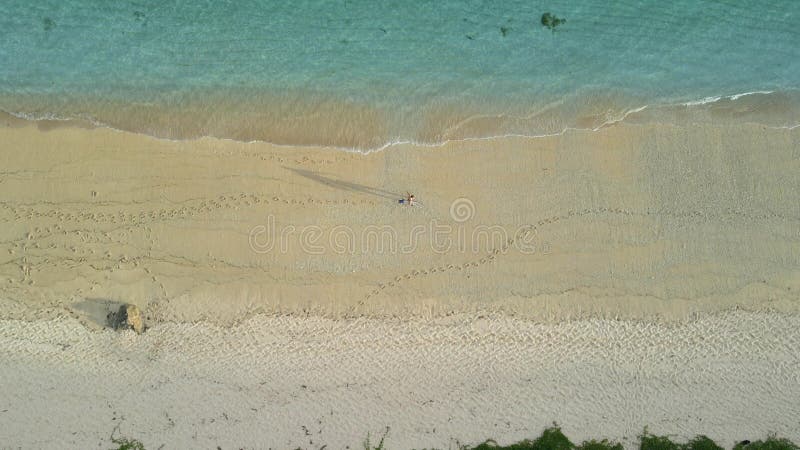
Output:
x=653 y=225
x=285 y=382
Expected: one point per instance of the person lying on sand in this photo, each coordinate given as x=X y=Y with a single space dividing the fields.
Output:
x=409 y=200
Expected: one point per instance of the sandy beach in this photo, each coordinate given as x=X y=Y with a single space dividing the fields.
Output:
x=642 y=274
x=289 y=382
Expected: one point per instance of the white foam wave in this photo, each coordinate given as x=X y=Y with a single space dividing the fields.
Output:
x=732 y=97
x=398 y=141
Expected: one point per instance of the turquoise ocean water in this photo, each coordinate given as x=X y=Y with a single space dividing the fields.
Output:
x=364 y=73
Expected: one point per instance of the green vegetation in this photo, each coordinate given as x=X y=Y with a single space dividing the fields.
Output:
x=600 y=445
x=651 y=442
x=127 y=444
x=553 y=439
x=368 y=445
x=772 y=443
x=551 y=21
x=702 y=443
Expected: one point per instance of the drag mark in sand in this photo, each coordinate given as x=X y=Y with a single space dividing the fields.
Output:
x=94 y=240
x=227 y=201
x=527 y=232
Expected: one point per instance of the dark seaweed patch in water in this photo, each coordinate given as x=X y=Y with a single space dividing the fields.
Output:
x=140 y=16
x=504 y=31
x=48 y=23
x=551 y=21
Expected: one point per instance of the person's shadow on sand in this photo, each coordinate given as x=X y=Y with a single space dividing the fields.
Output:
x=345 y=185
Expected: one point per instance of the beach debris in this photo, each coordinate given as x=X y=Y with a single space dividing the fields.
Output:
x=551 y=21
x=129 y=317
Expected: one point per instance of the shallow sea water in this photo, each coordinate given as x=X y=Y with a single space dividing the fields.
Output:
x=361 y=74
